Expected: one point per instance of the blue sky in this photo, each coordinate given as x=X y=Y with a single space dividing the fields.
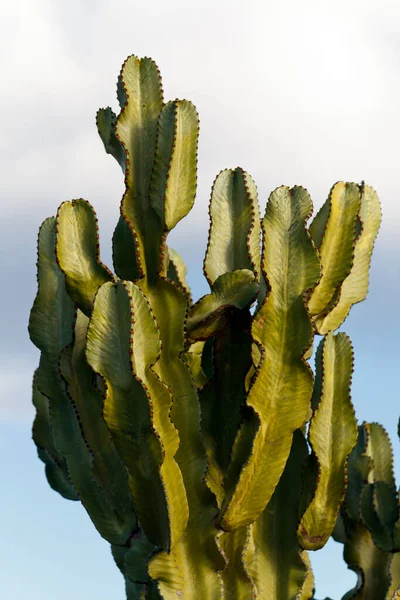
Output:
x=295 y=93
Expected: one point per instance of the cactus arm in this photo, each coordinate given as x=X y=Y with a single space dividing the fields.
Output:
x=53 y=312
x=379 y=512
x=337 y=244
x=136 y=129
x=394 y=574
x=233 y=290
x=106 y=120
x=385 y=504
x=78 y=253
x=370 y=564
x=107 y=468
x=369 y=513
x=307 y=590
x=125 y=259
x=379 y=449
x=177 y=271
x=275 y=562
x=51 y=327
x=57 y=475
x=332 y=436
x=234 y=236
x=71 y=444
x=174 y=180
x=359 y=466
x=282 y=387
x=42 y=434
x=379 y=503
x=355 y=286
x=122 y=346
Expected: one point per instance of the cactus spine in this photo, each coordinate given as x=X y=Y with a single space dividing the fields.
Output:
x=181 y=426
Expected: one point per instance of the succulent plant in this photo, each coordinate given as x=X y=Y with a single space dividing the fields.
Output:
x=195 y=434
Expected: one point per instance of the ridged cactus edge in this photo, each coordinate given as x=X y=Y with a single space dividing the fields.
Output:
x=202 y=444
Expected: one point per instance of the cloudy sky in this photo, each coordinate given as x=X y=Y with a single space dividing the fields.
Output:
x=295 y=93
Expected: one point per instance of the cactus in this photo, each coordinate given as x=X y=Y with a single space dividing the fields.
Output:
x=369 y=523
x=195 y=434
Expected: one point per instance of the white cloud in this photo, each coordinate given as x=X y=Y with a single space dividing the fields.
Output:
x=303 y=93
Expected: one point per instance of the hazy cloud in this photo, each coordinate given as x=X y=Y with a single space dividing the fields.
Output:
x=295 y=93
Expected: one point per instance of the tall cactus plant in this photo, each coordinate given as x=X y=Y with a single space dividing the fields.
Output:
x=196 y=435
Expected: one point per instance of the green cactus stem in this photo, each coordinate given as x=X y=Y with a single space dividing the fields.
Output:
x=332 y=436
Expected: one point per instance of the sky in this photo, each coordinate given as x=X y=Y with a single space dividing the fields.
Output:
x=295 y=93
